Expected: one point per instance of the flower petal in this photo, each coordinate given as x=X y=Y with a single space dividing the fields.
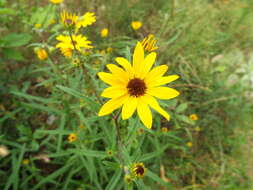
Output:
x=129 y=107
x=155 y=73
x=113 y=92
x=110 y=79
x=112 y=105
x=152 y=102
x=144 y=113
x=162 y=92
x=118 y=72
x=126 y=65
x=138 y=58
x=162 y=80
x=147 y=64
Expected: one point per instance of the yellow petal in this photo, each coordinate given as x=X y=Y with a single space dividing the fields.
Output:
x=129 y=107
x=113 y=92
x=162 y=80
x=109 y=79
x=138 y=58
x=144 y=114
x=112 y=105
x=118 y=72
x=147 y=64
x=162 y=92
x=126 y=65
x=155 y=73
x=152 y=102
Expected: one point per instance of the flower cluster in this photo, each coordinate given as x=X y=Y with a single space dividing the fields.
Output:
x=78 y=42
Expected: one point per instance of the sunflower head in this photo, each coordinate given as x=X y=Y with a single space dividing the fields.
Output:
x=68 y=19
x=193 y=117
x=139 y=170
x=136 y=25
x=86 y=20
x=135 y=87
x=56 y=1
x=72 y=137
x=149 y=43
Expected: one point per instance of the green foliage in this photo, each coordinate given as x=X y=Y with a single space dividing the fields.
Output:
x=44 y=101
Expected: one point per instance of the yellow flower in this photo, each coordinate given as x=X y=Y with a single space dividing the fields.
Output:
x=189 y=144
x=136 y=87
x=149 y=43
x=72 y=137
x=56 y=1
x=86 y=20
x=68 y=19
x=4 y=151
x=128 y=178
x=165 y=129
x=81 y=126
x=38 y=26
x=41 y=53
x=194 y=117
x=109 y=50
x=136 y=25
x=25 y=162
x=67 y=46
x=138 y=169
x=104 y=32
x=75 y=62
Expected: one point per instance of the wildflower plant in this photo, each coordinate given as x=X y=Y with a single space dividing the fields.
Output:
x=97 y=107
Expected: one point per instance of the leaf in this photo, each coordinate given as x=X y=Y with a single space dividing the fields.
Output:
x=15 y=40
x=114 y=180
x=7 y=11
x=93 y=105
x=12 y=54
x=181 y=108
x=185 y=119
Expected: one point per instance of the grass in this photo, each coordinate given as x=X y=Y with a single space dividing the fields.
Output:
x=206 y=42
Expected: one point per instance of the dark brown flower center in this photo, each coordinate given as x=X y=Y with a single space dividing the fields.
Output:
x=68 y=21
x=136 y=87
x=139 y=170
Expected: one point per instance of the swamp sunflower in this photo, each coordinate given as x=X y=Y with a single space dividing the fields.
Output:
x=67 y=45
x=136 y=87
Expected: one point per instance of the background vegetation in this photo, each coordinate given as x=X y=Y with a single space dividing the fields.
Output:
x=207 y=42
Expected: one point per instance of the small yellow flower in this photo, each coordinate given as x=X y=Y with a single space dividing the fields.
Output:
x=194 y=117
x=104 y=32
x=109 y=50
x=109 y=152
x=82 y=126
x=135 y=87
x=189 y=144
x=164 y=129
x=128 y=178
x=67 y=45
x=56 y=1
x=138 y=169
x=25 y=161
x=86 y=20
x=72 y=137
x=149 y=43
x=136 y=25
x=68 y=19
x=140 y=131
x=38 y=26
x=75 y=62
x=41 y=53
